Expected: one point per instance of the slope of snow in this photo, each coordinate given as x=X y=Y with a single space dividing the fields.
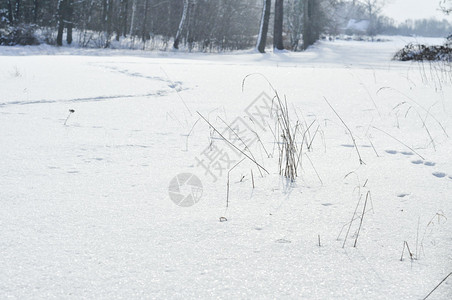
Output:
x=86 y=210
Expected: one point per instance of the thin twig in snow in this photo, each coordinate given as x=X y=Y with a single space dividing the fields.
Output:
x=437 y=286
x=348 y=129
x=254 y=161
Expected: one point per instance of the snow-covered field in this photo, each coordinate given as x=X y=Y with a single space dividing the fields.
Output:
x=85 y=208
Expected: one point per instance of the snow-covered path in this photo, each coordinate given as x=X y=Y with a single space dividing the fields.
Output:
x=85 y=210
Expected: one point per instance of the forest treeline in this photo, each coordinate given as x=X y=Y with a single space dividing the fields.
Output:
x=203 y=25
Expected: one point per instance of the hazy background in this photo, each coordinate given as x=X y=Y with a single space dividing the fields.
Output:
x=400 y=10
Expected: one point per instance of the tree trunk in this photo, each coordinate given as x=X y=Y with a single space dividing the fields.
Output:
x=144 y=32
x=104 y=10
x=191 y=24
x=262 y=37
x=181 y=25
x=309 y=31
x=278 y=26
x=121 y=15
x=108 y=23
x=306 y=25
x=132 y=19
x=68 y=19
x=61 y=8
x=125 y=10
x=17 y=10
x=10 y=12
x=35 y=11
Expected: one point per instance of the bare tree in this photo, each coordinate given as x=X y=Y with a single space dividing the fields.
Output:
x=446 y=6
x=308 y=36
x=278 y=25
x=373 y=8
x=10 y=12
x=35 y=11
x=294 y=17
x=144 y=33
x=69 y=14
x=313 y=22
x=17 y=10
x=132 y=18
x=191 y=30
x=265 y=20
x=207 y=25
x=108 y=15
x=61 y=13
x=181 y=25
x=124 y=9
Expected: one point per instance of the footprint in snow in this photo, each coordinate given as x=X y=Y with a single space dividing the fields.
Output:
x=402 y=195
x=408 y=153
x=426 y=163
x=439 y=174
x=429 y=164
x=283 y=241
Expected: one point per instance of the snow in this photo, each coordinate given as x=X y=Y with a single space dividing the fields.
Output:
x=358 y=25
x=86 y=211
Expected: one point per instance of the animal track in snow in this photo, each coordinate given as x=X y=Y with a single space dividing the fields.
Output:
x=439 y=174
x=347 y=145
x=391 y=151
x=408 y=153
x=401 y=195
x=283 y=241
x=427 y=163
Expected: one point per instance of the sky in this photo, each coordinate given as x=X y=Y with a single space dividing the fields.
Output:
x=400 y=10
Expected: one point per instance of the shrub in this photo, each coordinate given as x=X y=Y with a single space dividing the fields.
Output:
x=18 y=35
x=421 y=52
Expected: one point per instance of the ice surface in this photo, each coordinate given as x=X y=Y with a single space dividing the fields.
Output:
x=85 y=209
